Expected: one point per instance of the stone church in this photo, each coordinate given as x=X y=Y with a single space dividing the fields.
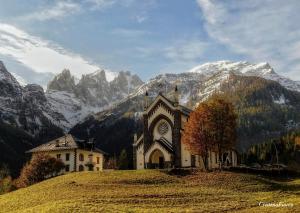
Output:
x=160 y=144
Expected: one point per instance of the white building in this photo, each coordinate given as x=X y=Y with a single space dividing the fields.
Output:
x=77 y=155
x=160 y=144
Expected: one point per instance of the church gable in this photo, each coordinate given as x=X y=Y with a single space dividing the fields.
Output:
x=161 y=106
x=160 y=110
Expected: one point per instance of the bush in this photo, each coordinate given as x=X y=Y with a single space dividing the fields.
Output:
x=6 y=185
x=4 y=171
x=40 y=167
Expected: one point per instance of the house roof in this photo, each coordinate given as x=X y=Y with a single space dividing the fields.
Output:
x=66 y=142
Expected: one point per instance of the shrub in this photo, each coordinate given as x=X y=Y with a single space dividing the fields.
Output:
x=6 y=185
x=38 y=169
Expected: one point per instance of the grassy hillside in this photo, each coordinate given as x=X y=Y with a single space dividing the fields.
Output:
x=153 y=191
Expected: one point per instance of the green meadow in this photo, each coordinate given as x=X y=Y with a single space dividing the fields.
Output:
x=154 y=191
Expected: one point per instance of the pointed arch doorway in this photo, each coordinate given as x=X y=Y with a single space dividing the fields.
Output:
x=157 y=159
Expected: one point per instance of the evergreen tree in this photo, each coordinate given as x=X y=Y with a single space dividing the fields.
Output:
x=123 y=160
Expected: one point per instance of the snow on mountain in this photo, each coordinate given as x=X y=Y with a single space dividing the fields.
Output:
x=68 y=100
x=7 y=77
x=199 y=83
x=90 y=94
x=26 y=107
x=263 y=70
x=73 y=109
x=20 y=79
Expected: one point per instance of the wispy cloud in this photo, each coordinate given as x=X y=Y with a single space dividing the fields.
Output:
x=100 y=4
x=188 y=50
x=57 y=11
x=41 y=55
x=63 y=8
x=262 y=30
x=140 y=18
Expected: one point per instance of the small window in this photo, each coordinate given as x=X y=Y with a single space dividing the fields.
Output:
x=97 y=168
x=67 y=167
x=81 y=157
x=81 y=168
x=67 y=156
x=58 y=156
x=98 y=160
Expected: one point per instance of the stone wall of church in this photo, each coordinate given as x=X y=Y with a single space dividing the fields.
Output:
x=185 y=156
x=140 y=157
x=166 y=154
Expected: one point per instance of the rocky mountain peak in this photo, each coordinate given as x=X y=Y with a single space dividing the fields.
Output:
x=5 y=75
x=99 y=74
x=8 y=84
x=62 y=82
x=34 y=93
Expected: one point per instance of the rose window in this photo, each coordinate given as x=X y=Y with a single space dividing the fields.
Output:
x=163 y=128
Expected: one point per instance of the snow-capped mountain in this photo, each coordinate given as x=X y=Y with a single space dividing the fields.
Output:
x=263 y=70
x=76 y=99
x=26 y=107
x=265 y=108
x=68 y=100
x=196 y=84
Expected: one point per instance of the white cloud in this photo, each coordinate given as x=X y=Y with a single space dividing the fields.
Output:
x=63 y=8
x=59 y=10
x=100 y=4
x=140 y=18
x=261 y=30
x=189 y=50
x=41 y=55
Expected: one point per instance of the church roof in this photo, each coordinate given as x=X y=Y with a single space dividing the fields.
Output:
x=66 y=142
x=165 y=143
x=182 y=108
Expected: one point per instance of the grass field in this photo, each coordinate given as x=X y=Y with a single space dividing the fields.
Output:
x=153 y=191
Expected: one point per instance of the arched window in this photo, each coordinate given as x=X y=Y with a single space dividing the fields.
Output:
x=81 y=168
x=81 y=157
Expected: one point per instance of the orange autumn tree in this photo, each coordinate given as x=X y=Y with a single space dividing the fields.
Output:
x=196 y=133
x=223 y=124
x=212 y=126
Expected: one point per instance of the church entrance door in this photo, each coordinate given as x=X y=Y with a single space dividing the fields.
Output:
x=157 y=160
x=161 y=162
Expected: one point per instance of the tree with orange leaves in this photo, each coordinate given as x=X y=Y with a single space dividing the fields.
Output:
x=212 y=126
x=222 y=124
x=196 y=133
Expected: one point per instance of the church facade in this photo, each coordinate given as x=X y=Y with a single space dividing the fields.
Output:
x=160 y=144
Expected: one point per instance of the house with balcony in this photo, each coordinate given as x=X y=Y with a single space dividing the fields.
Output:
x=77 y=155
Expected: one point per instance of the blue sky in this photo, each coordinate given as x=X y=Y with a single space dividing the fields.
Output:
x=148 y=37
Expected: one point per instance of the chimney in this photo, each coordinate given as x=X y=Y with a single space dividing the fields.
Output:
x=65 y=144
x=57 y=143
